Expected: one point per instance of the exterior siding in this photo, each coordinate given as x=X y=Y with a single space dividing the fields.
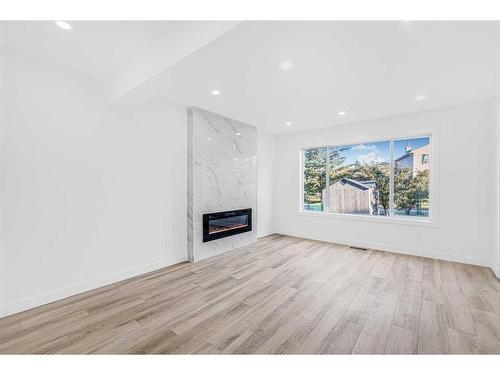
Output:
x=344 y=198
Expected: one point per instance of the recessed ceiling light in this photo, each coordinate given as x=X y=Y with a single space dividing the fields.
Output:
x=420 y=97
x=238 y=134
x=341 y=113
x=215 y=92
x=209 y=139
x=288 y=123
x=286 y=65
x=63 y=25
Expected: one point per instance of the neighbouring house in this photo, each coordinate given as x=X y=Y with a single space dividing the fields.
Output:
x=416 y=160
x=350 y=196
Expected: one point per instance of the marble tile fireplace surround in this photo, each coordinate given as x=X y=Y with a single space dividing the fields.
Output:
x=222 y=177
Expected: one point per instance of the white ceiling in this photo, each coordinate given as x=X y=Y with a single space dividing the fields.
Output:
x=368 y=69
x=98 y=49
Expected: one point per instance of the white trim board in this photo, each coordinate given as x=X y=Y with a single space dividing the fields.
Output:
x=72 y=290
x=398 y=250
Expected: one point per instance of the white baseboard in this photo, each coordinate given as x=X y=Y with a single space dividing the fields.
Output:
x=54 y=295
x=496 y=270
x=51 y=296
x=265 y=234
x=398 y=249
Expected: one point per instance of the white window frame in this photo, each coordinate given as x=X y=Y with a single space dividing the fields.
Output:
x=430 y=220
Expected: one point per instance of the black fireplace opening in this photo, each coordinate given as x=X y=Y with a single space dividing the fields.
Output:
x=228 y=223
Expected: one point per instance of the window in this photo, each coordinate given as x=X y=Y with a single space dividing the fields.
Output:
x=388 y=178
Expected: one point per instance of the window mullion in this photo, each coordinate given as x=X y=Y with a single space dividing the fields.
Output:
x=391 y=179
x=327 y=180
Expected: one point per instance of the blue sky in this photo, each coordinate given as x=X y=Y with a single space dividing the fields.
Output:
x=379 y=151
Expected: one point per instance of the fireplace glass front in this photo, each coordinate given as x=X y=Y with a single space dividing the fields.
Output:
x=223 y=224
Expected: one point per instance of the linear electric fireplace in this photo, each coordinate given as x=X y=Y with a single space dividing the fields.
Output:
x=228 y=223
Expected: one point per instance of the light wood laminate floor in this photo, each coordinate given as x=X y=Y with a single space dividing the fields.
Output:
x=279 y=295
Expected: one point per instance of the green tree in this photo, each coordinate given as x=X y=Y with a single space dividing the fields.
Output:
x=338 y=170
x=404 y=195
x=314 y=172
x=421 y=187
x=381 y=174
x=410 y=190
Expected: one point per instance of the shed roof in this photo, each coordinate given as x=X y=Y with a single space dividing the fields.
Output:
x=362 y=185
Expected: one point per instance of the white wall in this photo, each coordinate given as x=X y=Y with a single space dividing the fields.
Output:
x=497 y=265
x=91 y=195
x=464 y=138
x=2 y=127
x=265 y=162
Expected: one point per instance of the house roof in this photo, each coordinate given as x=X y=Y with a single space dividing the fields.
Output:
x=410 y=153
x=404 y=156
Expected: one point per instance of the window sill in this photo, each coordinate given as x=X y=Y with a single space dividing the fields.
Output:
x=423 y=222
